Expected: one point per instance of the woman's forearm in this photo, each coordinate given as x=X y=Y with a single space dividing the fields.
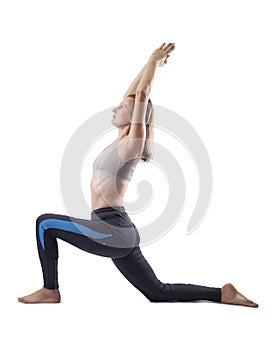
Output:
x=141 y=86
x=144 y=87
x=133 y=87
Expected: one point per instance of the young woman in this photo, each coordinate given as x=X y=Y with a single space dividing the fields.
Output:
x=110 y=232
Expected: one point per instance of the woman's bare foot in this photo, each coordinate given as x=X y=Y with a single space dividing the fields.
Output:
x=230 y=295
x=42 y=295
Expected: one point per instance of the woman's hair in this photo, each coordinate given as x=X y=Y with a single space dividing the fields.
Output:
x=149 y=119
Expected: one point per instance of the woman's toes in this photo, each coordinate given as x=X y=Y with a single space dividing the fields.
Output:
x=252 y=304
x=230 y=295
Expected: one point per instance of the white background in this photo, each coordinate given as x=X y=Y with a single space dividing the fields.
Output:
x=62 y=62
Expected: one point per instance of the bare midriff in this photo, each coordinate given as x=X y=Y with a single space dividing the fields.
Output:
x=106 y=191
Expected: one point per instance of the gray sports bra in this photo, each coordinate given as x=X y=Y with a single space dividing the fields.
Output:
x=109 y=163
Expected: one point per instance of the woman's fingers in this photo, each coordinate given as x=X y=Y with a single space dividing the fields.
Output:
x=163 y=52
x=170 y=47
x=160 y=48
x=165 y=61
x=167 y=47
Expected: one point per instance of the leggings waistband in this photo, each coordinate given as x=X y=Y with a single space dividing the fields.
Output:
x=107 y=209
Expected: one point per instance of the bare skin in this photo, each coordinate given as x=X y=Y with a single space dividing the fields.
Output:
x=230 y=295
x=42 y=295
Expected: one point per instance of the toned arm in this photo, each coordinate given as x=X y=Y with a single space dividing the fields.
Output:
x=133 y=87
x=137 y=133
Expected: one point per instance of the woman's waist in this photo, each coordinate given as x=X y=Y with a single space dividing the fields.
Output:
x=109 y=209
x=114 y=215
x=109 y=189
x=99 y=202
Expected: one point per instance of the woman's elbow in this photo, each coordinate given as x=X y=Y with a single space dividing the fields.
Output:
x=142 y=95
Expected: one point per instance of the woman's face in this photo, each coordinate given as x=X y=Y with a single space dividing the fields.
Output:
x=123 y=113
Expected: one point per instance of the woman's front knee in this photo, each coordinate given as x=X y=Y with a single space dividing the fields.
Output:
x=43 y=217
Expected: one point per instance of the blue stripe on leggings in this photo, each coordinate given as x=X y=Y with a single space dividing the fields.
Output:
x=68 y=226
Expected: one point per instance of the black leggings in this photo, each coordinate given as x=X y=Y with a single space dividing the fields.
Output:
x=110 y=233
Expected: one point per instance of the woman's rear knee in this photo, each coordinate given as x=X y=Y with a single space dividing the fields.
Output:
x=159 y=293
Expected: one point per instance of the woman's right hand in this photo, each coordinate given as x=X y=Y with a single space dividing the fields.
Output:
x=160 y=55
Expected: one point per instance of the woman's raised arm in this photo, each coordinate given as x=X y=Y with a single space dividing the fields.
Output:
x=132 y=88
x=134 y=85
x=137 y=132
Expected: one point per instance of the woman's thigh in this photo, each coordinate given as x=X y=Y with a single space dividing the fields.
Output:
x=99 y=237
